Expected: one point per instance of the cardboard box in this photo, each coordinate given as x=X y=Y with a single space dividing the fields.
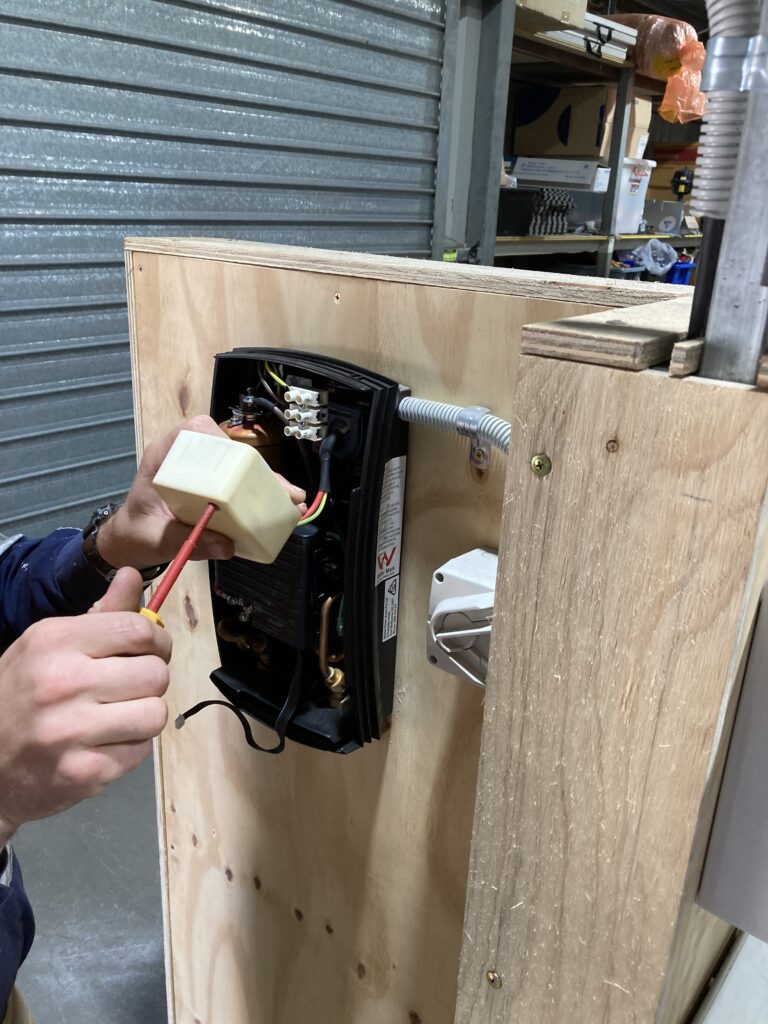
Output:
x=585 y=174
x=669 y=159
x=548 y=13
x=576 y=122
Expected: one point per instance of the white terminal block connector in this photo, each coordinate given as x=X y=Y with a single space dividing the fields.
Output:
x=254 y=509
x=309 y=417
x=306 y=433
x=305 y=398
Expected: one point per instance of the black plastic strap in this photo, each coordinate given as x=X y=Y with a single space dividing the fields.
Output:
x=282 y=721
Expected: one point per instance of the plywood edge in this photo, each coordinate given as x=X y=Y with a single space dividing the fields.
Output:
x=631 y=339
x=527 y=284
x=157 y=752
x=685 y=359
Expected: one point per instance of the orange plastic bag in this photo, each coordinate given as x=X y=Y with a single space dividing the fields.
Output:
x=670 y=51
x=683 y=99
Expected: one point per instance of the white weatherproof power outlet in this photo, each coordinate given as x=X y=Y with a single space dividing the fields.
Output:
x=460 y=615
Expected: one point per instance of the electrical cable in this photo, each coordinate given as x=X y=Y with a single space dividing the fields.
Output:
x=312 y=515
x=282 y=721
x=324 y=486
x=274 y=376
x=265 y=404
x=267 y=387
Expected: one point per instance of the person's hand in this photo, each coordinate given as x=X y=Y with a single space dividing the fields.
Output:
x=144 y=531
x=81 y=701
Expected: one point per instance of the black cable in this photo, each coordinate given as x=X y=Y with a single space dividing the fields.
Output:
x=308 y=469
x=268 y=406
x=282 y=721
x=326 y=449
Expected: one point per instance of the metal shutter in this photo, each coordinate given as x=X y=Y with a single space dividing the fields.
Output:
x=286 y=121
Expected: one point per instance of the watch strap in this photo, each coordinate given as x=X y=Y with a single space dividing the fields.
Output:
x=91 y=551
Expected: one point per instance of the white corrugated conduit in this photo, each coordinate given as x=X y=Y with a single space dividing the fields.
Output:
x=723 y=123
x=485 y=427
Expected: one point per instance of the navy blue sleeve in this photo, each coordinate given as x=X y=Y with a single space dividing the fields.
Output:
x=38 y=579
x=42 y=578
x=17 y=927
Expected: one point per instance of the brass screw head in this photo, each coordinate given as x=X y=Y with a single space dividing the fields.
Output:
x=493 y=979
x=541 y=464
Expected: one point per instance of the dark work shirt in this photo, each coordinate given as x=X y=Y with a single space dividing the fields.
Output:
x=17 y=925
x=38 y=579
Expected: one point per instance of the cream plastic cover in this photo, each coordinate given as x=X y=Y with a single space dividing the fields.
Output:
x=254 y=509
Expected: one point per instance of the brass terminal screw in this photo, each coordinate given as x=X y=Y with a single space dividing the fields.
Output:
x=493 y=979
x=541 y=464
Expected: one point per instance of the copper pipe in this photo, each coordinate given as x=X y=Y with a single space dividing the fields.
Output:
x=322 y=654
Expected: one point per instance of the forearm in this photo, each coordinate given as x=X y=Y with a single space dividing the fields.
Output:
x=44 y=578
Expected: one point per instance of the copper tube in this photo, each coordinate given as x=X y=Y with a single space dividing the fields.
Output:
x=322 y=654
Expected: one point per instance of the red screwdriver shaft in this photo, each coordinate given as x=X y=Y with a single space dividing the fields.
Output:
x=185 y=553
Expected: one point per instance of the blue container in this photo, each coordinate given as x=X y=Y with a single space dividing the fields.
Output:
x=680 y=273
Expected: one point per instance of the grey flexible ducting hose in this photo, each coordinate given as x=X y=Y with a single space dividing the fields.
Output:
x=489 y=428
x=724 y=120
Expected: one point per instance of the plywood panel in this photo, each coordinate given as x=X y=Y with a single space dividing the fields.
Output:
x=632 y=339
x=598 y=292
x=628 y=579
x=307 y=887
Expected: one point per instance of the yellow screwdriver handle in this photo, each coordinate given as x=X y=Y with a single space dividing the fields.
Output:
x=152 y=616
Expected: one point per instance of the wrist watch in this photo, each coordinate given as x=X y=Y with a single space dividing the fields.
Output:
x=91 y=551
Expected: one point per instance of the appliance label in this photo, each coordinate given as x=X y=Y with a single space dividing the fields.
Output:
x=390 y=536
x=391 y=598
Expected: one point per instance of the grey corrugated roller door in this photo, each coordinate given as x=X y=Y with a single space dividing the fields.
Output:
x=313 y=123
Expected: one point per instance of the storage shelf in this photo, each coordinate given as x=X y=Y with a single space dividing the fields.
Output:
x=530 y=245
x=678 y=241
x=537 y=245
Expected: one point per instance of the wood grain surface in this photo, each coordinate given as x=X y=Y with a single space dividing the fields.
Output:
x=628 y=581
x=685 y=358
x=311 y=888
x=632 y=339
x=594 y=291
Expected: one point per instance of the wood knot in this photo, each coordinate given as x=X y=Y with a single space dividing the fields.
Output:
x=612 y=445
x=184 y=395
x=191 y=614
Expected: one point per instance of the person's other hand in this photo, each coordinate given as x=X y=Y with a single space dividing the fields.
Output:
x=144 y=531
x=81 y=701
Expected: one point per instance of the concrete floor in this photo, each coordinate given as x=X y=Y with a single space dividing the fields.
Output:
x=93 y=878
x=741 y=996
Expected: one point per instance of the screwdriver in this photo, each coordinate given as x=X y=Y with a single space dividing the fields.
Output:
x=174 y=569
